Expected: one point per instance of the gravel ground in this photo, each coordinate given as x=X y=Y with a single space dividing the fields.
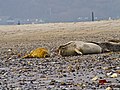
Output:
x=86 y=72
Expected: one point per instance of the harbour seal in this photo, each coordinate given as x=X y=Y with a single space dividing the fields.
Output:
x=78 y=48
x=38 y=53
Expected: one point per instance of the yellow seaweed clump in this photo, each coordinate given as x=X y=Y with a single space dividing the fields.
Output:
x=38 y=53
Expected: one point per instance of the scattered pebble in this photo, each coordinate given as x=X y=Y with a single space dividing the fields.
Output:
x=95 y=78
x=94 y=71
x=108 y=88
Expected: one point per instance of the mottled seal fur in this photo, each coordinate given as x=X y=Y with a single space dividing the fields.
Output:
x=38 y=53
x=109 y=46
x=114 y=40
x=78 y=48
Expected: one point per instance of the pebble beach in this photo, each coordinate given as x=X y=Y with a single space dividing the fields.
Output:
x=82 y=72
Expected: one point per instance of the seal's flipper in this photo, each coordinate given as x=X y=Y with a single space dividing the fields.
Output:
x=27 y=56
x=106 y=50
x=78 y=51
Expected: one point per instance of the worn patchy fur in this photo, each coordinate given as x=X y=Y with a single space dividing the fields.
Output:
x=38 y=53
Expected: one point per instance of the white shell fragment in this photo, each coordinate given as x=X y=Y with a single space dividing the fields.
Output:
x=108 y=74
x=95 y=78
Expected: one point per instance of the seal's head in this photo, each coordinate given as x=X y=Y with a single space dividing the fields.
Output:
x=66 y=50
x=61 y=49
x=38 y=53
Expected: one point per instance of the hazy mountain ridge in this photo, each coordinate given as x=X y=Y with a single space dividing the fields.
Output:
x=59 y=9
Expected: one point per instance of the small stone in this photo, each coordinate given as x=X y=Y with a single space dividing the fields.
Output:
x=29 y=63
x=117 y=67
x=95 y=78
x=83 y=85
x=9 y=50
x=70 y=68
x=42 y=76
x=19 y=55
x=108 y=74
x=64 y=75
x=63 y=83
x=118 y=71
x=52 y=82
x=18 y=89
x=114 y=75
x=102 y=81
x=107 y=68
